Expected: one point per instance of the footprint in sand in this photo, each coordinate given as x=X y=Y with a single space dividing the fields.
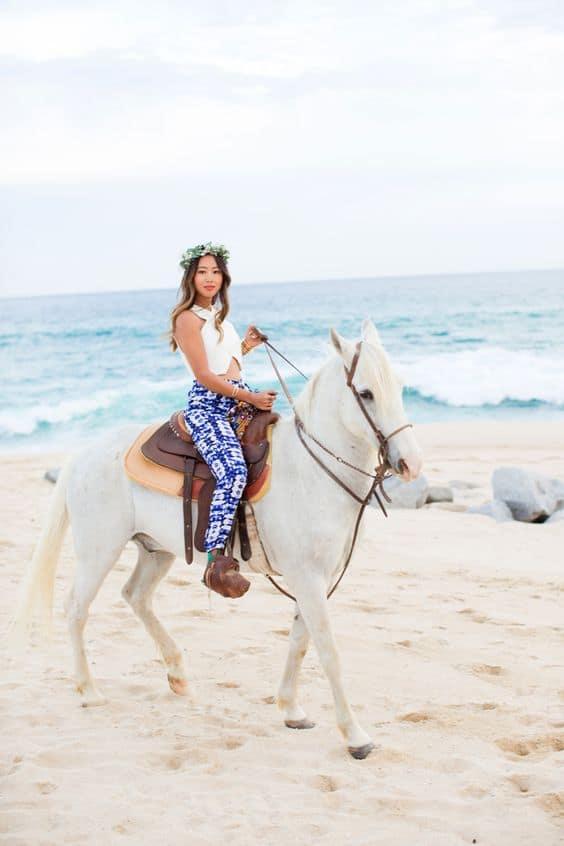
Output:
x=370 y=609
x=487 y=669
x=553 y=804
x=475 y=791
x=416 y=717
x=233 y=742
x=171 y=762
x=520 y=781
x=540 y=746
x=46 y=787
x=325 y=783
x=392 y=756
x=228 y=684
x=474 y=615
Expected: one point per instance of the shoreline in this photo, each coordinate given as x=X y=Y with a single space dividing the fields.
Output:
x=512 y=438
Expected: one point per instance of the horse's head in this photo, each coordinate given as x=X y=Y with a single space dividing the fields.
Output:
x=380 y=391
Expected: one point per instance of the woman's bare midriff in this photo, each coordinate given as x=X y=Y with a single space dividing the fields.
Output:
x=233 y=371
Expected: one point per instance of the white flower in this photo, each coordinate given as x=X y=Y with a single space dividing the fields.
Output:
x=201 y=250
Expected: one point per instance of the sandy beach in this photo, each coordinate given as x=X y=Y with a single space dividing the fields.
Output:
x=450 y=633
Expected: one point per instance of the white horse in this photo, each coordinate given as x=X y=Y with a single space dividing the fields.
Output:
x=305 y=523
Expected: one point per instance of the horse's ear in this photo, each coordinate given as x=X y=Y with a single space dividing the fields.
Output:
x=370 y=333
x=343 y=347
x=335 y=339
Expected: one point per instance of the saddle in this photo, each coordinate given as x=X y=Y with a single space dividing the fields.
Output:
x=171 y=446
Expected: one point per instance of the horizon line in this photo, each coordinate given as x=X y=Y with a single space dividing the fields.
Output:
x=292 y=282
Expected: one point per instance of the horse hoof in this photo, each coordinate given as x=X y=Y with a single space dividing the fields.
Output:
x=299 y=724
x=361 y=752
x=178 y=686
x=91 y=698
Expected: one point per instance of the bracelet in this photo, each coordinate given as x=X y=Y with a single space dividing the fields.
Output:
x=245 y=347
x=234 y=391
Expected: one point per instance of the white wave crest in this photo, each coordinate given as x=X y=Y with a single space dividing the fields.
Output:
x=486 y=376
x=26 y=421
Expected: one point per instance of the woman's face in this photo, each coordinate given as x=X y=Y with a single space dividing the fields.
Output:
x=208 y=278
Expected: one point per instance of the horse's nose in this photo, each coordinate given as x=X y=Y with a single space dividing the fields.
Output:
x=404 y=470
x=410 y=470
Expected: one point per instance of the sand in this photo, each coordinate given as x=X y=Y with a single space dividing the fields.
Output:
x=450 y=635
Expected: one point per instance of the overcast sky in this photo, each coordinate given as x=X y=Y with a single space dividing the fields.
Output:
x=316 y=140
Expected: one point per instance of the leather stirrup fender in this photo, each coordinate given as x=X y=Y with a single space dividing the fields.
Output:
x=189 y=464
x=244 y=541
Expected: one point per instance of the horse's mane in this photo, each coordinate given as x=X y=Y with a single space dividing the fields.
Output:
x=386 y=381
x=304 y=400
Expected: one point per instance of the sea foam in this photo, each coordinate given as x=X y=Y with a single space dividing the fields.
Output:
x=487 y=376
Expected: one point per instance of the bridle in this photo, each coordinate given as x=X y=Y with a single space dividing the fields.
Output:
x=382 y=469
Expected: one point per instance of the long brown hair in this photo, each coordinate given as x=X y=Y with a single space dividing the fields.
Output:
x=187 y=296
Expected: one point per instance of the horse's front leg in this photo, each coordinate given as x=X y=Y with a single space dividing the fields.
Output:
x=313 y=606
x=138 y=591
x=294 y=716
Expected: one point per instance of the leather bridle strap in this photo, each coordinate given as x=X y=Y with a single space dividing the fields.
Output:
x=381 y=470
x=300 y=431
x=382 y=439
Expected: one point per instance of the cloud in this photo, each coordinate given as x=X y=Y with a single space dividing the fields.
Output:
x=545 y=14
x=94 y=91
x=415 y=112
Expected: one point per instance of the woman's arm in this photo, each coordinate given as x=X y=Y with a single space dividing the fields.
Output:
x=188 y=335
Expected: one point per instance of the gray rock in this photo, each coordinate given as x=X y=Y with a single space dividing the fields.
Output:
x=494 y=508
x=530 y=496
x=439 y=493
x=52 y=475
x=460 y=483
x=406 y=494
x=557 y=517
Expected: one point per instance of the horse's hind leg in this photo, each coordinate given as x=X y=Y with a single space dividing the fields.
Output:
x=89 y=575
x=294 y=716
x=151 y=567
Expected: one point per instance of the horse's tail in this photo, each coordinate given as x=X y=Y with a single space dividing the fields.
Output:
x=36 y=592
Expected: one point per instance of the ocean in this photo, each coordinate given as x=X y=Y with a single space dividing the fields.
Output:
x=468 y=346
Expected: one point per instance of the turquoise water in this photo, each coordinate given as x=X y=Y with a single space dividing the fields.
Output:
x=467 y=346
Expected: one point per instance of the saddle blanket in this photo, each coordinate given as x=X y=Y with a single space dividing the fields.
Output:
x=145 y=472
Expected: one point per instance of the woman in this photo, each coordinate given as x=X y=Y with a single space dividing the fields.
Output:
x=220 y=403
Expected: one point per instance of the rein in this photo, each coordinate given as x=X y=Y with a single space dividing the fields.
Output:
x=381 y=470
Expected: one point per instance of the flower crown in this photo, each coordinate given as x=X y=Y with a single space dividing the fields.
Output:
x=203 y=250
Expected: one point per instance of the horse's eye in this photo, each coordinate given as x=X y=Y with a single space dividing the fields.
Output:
x=366 y=394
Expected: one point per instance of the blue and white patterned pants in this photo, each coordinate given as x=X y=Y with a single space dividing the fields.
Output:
x=215 y=438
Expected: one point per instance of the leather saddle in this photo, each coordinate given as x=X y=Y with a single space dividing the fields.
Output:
x=171 y=445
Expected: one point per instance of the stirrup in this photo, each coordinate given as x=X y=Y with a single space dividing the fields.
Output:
x=222 y=576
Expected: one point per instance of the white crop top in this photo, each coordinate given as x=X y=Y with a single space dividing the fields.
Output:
x=218 y=352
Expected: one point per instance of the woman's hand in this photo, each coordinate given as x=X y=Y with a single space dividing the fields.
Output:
x=254 y=337
x=263 y=399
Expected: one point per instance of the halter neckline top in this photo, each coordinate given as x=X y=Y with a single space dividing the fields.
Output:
x=219 y=352
x=206 y=313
